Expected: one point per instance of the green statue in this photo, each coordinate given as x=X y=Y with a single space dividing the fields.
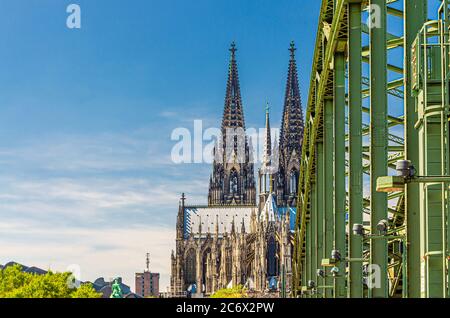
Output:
x=116 y=291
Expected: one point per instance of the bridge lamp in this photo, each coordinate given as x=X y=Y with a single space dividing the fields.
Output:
x=405 y=172
x=405 y=169
x=336 y=255
x=358 y=229
x=320 y=273
x=382 y=227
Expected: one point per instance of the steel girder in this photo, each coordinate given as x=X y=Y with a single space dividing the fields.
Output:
x=334 y=148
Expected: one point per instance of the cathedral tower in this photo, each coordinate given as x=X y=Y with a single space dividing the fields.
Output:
x=232 y=181
x=291 y=138
x=267 y=170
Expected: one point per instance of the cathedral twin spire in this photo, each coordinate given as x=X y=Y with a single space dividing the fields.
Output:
x=233 y=181
x=291 y=137
x=233 y=114
x=292 y=123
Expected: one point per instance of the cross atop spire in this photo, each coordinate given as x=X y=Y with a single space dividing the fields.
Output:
x=292 y=49
x=233 y=49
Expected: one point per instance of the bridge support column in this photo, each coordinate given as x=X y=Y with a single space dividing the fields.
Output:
x=378 y=140
x=328 y=187
x=320 y=226
x=415 y=16
x=339 y=172
x=355 y=178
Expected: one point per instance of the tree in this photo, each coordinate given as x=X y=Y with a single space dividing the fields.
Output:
x=235 y=292
x=85 y=291
x=17 y=284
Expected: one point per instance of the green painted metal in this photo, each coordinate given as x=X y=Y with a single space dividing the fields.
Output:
x=328 y=187
x=314 y=220
x=309 y=247
x=415 y=16
x=311 y=235
x=445 y=38
x=319 y=91
x=321 y=221
x=418 y=216
x=355 y=147
x=432 y=127
x=378 y=141
x=339 y=172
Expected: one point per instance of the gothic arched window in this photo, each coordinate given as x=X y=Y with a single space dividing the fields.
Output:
x=293 y=181
x=190 y=268
x=229 y=267
x=234 y=182
x=205 y=257
x=272 y=268
x=222 y=184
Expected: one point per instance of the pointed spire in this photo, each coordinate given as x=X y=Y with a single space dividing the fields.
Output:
x=233 y=115
x=267 y=140
x=292 y=124
x=233 y=147
x=180 y=218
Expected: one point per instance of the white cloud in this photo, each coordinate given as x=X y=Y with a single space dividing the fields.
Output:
x=93 y=201
x=109 y=252
x=99 y=201
x=139 y=149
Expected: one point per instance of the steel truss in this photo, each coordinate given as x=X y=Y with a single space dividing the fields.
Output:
x=354 y=134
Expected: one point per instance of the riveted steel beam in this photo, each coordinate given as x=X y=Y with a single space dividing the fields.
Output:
x=355 y=147
x=415 y=17
x=339 y=172
x=378 y=142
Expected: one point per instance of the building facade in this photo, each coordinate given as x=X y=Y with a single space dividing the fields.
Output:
x=147 y=284
x=237 y=239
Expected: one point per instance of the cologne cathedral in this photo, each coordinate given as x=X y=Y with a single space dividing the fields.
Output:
x=239 y=238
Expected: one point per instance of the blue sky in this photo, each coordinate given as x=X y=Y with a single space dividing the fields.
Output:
x=86 y=117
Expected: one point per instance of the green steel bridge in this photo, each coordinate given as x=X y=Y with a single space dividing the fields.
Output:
x=374 y=186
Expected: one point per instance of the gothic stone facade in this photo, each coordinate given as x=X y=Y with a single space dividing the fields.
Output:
x=234 y=240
